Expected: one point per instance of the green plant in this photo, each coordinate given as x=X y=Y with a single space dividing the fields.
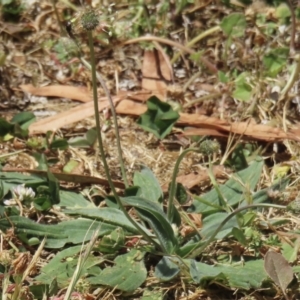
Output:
x=229 y=211
x=11 y=9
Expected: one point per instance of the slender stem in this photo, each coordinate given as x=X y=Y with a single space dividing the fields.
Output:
x=293 y=77
x=114 y=115
x=100 y=142
x=201 y=99
x=170 y=211
x=200 y=248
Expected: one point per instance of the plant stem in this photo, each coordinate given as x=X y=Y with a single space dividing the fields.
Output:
x=200 y=248
x=114 y=115
x=170 y=210
x=100 y=142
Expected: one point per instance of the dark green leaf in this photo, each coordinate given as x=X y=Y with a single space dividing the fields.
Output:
x=60 y=144
x=159 y=118
x=167 y=269
x=5 y=127
x=53 y=188
x=24 y=119
x=153 y=214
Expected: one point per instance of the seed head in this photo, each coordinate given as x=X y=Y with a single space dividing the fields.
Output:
x=294 y=206
x=209 y=147
x=89 y=20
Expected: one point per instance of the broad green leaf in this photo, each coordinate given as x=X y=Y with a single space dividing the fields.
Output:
x=167 y=268
x=127 y=274
x=283 y=12
x=290 y=252
x=85 y=141
x=242 y=276
x=62 y=266
x=275 y=60
x=203 y=273
x=149 y=186
x=243 y=90
x=91 y=136
x=79 y=141
x=211 y=223
x=234 y=190
x=222 y=77
x=278 y=269
x=239 y=235
x=234 y=25
x=73 y=231
x=73 y=200
x=159 y=118
x=153 y=214
x=24 y=119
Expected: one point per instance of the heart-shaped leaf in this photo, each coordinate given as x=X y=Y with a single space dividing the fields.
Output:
x=278 y=269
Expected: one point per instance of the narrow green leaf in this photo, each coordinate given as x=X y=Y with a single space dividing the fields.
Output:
x=234 y=190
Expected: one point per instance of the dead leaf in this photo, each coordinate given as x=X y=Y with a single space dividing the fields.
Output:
x=217 y=127
x=73 y=115
x=62 y=91
x=278 y=269
x=156 y=73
